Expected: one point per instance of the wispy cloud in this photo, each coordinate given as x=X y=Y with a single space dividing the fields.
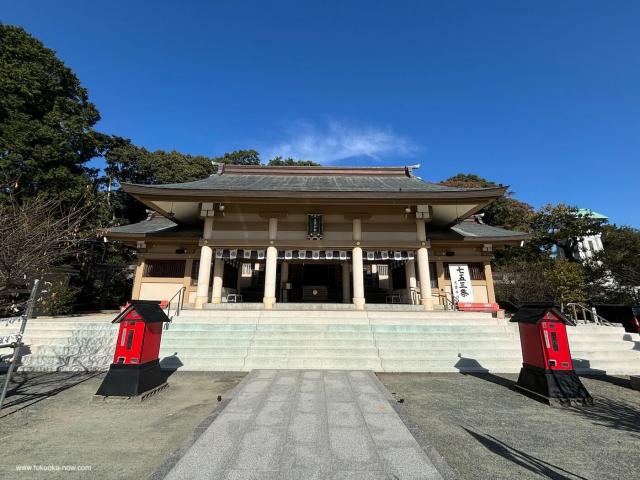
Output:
x=338 y=141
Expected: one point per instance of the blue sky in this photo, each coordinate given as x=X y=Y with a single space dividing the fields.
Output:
x=543 y=96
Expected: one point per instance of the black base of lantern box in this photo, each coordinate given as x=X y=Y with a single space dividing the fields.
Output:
x=554 y=387
x=131 y=380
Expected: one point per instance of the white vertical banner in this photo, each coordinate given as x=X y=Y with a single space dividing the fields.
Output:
x=461 y=282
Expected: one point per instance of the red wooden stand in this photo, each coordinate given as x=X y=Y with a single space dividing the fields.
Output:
x=547 y=369
x=136 y=365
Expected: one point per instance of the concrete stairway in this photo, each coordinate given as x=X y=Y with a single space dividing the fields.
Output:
x=380 y=340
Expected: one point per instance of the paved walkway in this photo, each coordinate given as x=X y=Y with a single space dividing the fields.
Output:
x=291 y=424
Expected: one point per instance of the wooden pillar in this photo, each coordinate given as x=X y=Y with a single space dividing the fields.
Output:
x=137 y=281
x=357 y=266
x=284 y=279
x=218 y=277
x=271 y=265
x=346 y=283
x=442 y=288
x=423 y=265
x=412 y=283
x=358 y=278
x=206 y=254
x=488 y=276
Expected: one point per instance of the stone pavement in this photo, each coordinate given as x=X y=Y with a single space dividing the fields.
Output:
x=292 y=424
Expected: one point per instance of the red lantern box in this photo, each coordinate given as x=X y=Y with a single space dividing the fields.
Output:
x=547 y=369
x=136 y=365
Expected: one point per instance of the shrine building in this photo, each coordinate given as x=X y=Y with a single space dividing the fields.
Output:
x=272 y=235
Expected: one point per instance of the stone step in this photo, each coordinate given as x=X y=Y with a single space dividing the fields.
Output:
x=452 y=365
x=297 y=342
x=476 y=329
x=477 y=354
x=597 y=331
x=355 y=352
x=350 y=313
x=427 y=344
x=307 y=362
x=82 y=363
x=447 y=336
x=412 y=349
x=598 y=344
x=307 y=320
x=388 y=341
x=285 y=336
x=608 y=367
x=222 y=364
x=631 y=355
x=70 y=350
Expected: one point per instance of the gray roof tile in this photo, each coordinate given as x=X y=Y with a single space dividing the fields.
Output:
x=314 y=183
x=472 y=228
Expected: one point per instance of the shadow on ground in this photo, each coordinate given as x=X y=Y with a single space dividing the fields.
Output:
x=29 y=388
x=615 y=414
x=472 y=368
x=170 y=365
x=523 y=459
x=617 y=381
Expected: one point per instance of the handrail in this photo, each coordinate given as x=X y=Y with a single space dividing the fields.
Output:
x=450 y=302
x=16 y=342
x=413 y=296
x=580 y=313
x=178 y=309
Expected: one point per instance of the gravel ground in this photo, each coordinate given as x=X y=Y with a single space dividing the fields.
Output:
x=486 y=430
x=50 y=419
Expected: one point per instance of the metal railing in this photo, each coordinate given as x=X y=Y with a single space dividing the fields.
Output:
x=179 y=302
x=448 y=300
x=15 y=341
x=580 y=313
x=413 y=296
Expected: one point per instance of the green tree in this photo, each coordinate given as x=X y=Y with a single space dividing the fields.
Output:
x=567 y=281
x=615 y=271
x=129 y=163
x=239 y=157
x=46 y=122
x=506 y=212
x=290 y=162
x=564 y=227
x=521 y=281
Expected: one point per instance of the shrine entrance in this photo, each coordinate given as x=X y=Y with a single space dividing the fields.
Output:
x=315 y=283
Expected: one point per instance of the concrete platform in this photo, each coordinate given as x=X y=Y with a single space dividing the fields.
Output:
x=284 y=424
x=383 y=341
x=327 y=307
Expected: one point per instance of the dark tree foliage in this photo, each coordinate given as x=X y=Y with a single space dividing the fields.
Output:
x=615 y=273
x=505 y=212
x=239 y=157
x=129 y=163
x=46 y=122
x=46 y=139
x=541 y=280
x=564 y=227
x=290 y=162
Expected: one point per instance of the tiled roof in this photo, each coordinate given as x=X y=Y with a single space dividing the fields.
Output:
x=473 y=228
x=314 y=183
x=157 y=225
x=312 y=179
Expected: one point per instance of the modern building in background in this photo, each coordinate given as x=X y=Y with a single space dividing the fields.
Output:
x=588 y=246
x=312 y=234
